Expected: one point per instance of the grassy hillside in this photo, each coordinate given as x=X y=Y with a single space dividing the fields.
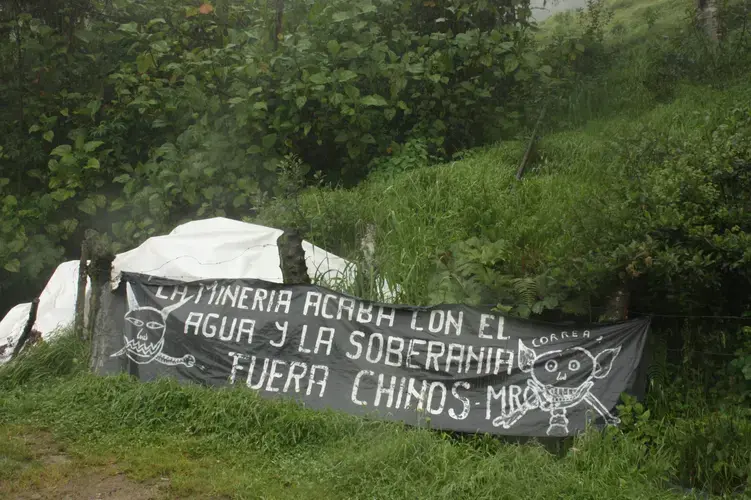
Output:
x=567 y=205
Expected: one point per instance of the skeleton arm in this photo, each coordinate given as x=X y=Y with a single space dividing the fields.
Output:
x=507 y=421
x=187 y=360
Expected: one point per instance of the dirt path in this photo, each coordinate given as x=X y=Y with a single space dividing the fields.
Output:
x=41 y=471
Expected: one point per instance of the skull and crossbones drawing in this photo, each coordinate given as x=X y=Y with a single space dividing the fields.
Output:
x=145 y=330
x=561 y=379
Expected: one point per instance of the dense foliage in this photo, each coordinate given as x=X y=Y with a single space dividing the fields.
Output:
x=132 y=115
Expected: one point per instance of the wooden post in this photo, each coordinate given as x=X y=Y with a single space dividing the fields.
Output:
x=532 y=140
x=366 y=273
x=292 y=258
x=27 y=328
x=99 y=270
x=617 y=309
x=707 y=14
x=78 y=324
x=279 y=22
x=108 y=333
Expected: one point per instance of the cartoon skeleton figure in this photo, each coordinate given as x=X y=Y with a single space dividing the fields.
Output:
x=146 y=327
x=561 y=380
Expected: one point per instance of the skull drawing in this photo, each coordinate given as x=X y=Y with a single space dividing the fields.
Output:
x=145 y=330
x=561 y=379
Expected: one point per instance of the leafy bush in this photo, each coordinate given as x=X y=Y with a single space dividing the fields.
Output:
x=711 y=451
x=151 y=112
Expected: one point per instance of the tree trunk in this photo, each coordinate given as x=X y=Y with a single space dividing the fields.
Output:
x=99 y=270
x=530 y=145
x=279 y=22
x=292 y=258
x=27 y=329
x=617 y=308
x=78 y=324
x=707 y=12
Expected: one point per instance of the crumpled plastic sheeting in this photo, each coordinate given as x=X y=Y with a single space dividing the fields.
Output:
x=205 y=249
x=57 y=304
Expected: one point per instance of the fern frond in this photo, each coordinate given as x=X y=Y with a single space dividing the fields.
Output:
x=526 y=289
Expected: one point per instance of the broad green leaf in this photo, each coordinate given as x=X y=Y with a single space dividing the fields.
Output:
x=93 y=106
x=346 y=75
x=318 y=78
x=268 y=140
x=579 y=47
x=306 y=129
x=353 y=149
x=10 y=201
x=93 y=163
x=61 y=150
x=4 y=181
x=373 y=100
x=341 y=137
x=92 y=145
x=122 y=178
x=340 y=16
x=254 y=149
x=367 y=139
x=117 y=204
x=300 y=101
x=69 y=225
x=13 y=266
x=49 y=135
x=160 y=46
x=415 y=68
x=17 y=245
x=352 y=92
x=34 y=128
x=532 y=59
x=261 y=105
x=333 y=47
x=336 y=99
x=239 y=200
x=144 y=62
x=85 y=36
x=62 y=194
x=511 y=64
x=389 y=113
x=129 y=27
x=87 y=206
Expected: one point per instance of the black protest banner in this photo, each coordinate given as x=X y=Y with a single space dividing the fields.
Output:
x=463 y=368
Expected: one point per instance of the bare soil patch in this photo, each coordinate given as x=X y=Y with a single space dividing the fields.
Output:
x=52 y=474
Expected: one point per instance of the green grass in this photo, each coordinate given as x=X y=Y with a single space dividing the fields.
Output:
x=569 y=202
x=214 y=443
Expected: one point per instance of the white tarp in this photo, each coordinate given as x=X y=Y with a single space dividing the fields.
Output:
x=56 y=310
x=205 y=249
